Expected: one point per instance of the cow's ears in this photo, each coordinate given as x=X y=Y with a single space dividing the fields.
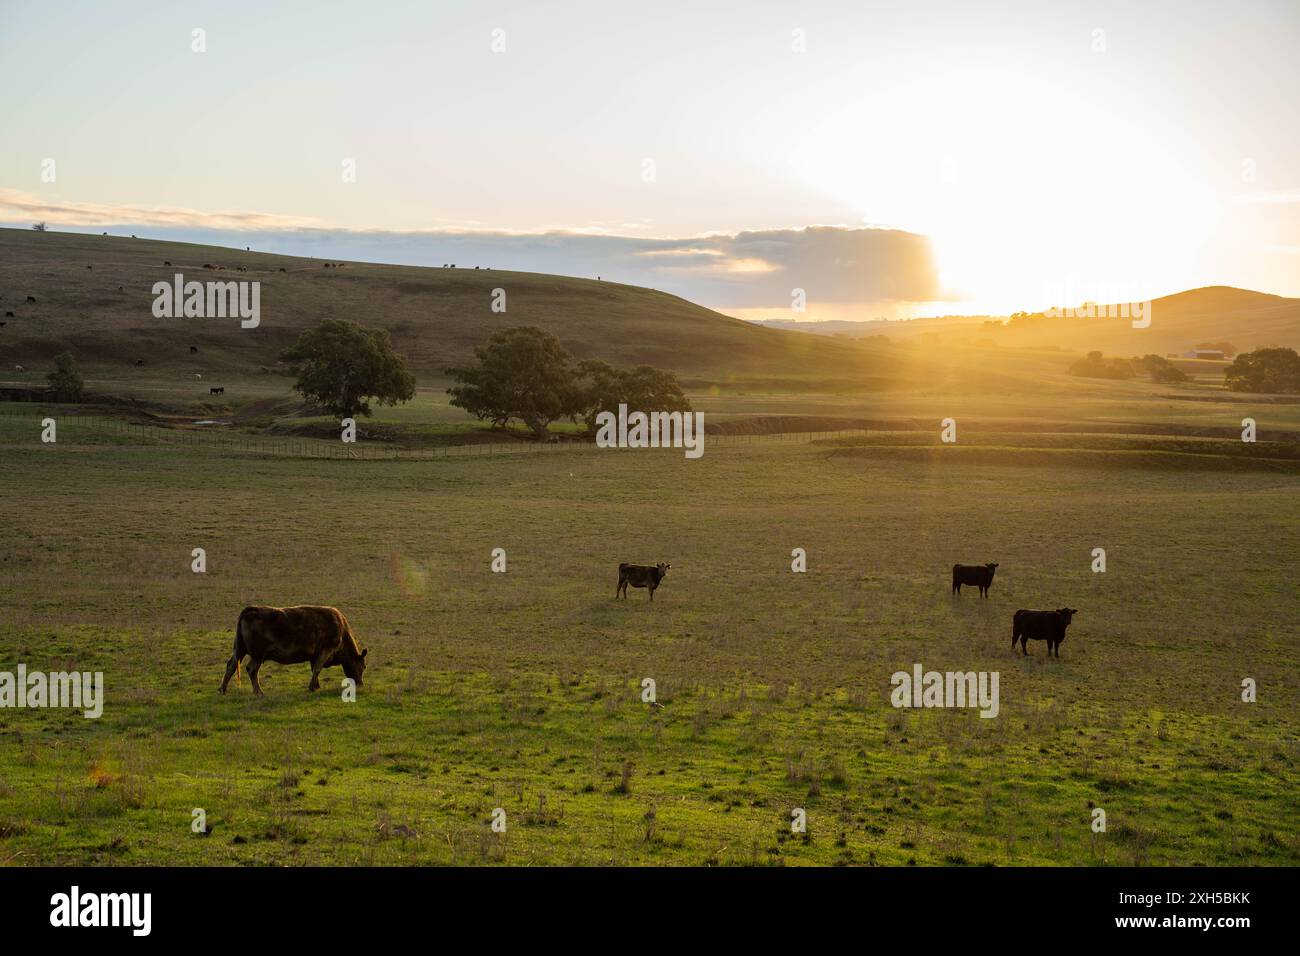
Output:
x=364 y=653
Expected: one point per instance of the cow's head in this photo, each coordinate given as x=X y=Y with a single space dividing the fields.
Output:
x=355 y=666
x=1067 y=612
x=663 y=568
x=991 y=565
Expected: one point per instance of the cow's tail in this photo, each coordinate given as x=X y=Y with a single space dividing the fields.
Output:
x=240 y=647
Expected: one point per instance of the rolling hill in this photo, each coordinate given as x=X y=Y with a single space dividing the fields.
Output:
x=94 y=297
x=1179 y=322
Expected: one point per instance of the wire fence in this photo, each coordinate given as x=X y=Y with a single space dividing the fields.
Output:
x=294 y=446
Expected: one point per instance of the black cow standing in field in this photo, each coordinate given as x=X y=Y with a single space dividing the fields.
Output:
x=640 y=576
x=295 y=635
x=977 y=575
x=194 y=350
x=1046 y=626
x=31 y=299
x=217 y=391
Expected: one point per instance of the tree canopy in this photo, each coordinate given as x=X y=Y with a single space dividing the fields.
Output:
x=1162 y=370
x=64 y=380
x=525 y=374
x=522 y=373
x=1265 y=370
x=644 y=388
x=342 y=366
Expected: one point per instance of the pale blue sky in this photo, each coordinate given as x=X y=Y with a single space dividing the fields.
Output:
x=1034 y=153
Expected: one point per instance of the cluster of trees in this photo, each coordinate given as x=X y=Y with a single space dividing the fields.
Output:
x=1265 y=370
x=1095 y=365
x=1161 y=369
x=524 y=374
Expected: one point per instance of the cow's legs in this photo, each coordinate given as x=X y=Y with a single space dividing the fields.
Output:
x=316 y=665
x=254 y=665
x=232 y=665
x=1024 y=641
x=652 y=592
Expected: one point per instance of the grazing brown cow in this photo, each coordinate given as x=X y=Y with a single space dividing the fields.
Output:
x=979 y=575
x=640 y=576
x=295 y=635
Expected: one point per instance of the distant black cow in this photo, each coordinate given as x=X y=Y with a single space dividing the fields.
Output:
x=166 y=262
x=640 y=576
x=975 y=575
x=1046 y=626
x=217 y=391
x=283 y=269
x=9 y=315
x=3 y=324
x=139 y=363
x=31 y=299
x=194 y=350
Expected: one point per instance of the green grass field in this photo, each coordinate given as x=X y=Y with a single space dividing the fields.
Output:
x=522 y=690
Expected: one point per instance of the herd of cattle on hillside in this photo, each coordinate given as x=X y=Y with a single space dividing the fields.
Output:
x=322 y=636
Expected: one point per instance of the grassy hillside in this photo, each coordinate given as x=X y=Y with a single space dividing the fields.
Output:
x=94 y=296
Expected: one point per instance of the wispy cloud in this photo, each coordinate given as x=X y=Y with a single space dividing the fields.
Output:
x=18 y=205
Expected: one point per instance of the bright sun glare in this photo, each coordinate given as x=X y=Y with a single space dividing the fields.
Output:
x=1029 y=195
